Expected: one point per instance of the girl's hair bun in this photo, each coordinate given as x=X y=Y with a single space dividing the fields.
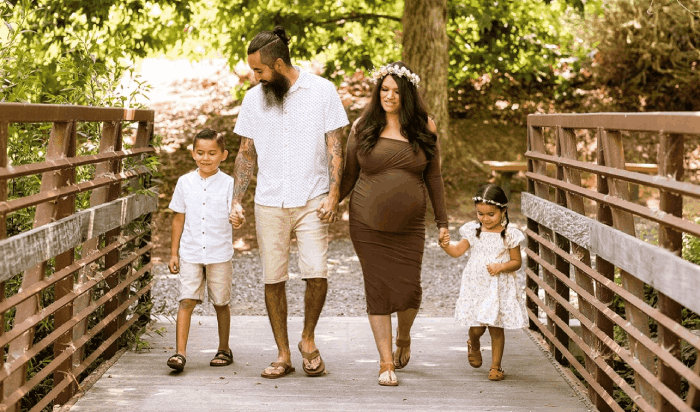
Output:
x=279 y=31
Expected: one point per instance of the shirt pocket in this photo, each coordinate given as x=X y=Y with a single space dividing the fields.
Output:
x=219 y=205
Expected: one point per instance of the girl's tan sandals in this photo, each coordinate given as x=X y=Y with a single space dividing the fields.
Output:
x=387 y=377
x=496 y=374
x=474 y=356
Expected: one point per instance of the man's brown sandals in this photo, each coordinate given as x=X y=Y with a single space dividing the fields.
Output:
x=286 y=370
x=320 y=369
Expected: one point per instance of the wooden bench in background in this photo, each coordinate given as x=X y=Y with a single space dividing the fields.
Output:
x=504 y=172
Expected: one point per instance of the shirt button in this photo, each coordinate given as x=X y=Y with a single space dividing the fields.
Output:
x=204 y=247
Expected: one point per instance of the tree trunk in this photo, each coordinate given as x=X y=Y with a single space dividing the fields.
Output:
x=425 y=52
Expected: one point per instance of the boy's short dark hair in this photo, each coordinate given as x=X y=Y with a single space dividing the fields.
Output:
x=272 y=45
x=209 y=134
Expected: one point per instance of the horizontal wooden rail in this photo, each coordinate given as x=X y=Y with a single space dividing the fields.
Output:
x=40 y=113
x=27 y=249
x=663 y=354
x=619 y=381
x=82 y=315
x=63 y=273
x=666 y=122
x=642 y=211
x=24 y=202
x=659 y=182
x=500 y=166
x=666 y=278
x=12 y=172
x=32 y=321
x=17 y=395
x=568 y=355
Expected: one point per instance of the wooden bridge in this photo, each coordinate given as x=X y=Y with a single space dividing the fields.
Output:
x=616 y=307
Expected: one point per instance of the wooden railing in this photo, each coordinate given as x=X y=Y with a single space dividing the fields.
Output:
x=85 y=274
x=632 y=296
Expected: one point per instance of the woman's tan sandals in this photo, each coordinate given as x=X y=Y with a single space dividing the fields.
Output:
x=474 y=356
x=402 y=346
x=496 y=374
x=387 y=377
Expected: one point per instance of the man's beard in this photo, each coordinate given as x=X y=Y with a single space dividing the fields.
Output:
x=275 y=89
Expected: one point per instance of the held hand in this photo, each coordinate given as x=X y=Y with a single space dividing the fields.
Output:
x=327 y=211
x=494 y=268
x=174 y=264
x=237 y=216
x=444 y=237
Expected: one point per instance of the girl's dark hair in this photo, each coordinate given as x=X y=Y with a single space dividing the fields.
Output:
x=272 y=45
x=209 y=134
x=493 y=193
x=412 y=115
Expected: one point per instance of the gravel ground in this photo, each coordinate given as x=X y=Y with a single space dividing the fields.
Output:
x=441 y=277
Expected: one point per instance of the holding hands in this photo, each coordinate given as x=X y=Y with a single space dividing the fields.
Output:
x=237 y=216
x=444 y=237
x=327 y=211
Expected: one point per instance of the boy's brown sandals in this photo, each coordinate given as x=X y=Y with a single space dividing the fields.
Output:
x=222 y=358
x=177 y=362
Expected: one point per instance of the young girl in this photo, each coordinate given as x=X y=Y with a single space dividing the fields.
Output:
x=489 y=296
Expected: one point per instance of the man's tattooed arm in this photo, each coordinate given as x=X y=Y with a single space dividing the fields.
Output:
x=243 y=169
x=242 y=173
x=336 y=161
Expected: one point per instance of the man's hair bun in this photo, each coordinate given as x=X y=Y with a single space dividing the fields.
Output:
x=279 y=31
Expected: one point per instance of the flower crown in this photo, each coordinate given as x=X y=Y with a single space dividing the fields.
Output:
x=479 y=199
x=394 y=69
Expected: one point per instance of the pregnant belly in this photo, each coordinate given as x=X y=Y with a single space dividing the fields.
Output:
x=391 y=202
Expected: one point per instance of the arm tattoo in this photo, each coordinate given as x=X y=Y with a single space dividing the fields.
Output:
x=336 y=160
x=244 y=167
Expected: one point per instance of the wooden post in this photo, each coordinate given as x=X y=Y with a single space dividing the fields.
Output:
x=670 y=161
x=602 y=293
x=561 y=264
x=144 y=137
x=112 y=258
x=59 y=145
x=567 y=139
x=98 y=196
x=532 y=244
x=65 y=207
x=3 y=234
x=542 y=191
x=623 y=221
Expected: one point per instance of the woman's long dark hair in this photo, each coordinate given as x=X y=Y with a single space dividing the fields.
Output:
x=413 y=118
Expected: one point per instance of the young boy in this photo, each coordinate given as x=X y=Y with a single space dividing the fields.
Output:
x=203 y=237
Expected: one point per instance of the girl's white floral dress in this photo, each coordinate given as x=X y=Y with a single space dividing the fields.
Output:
x=486 y=300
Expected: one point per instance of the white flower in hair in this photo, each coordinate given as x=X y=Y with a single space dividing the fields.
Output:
x=383 y=71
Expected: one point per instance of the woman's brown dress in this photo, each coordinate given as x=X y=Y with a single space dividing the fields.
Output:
x=387 y=218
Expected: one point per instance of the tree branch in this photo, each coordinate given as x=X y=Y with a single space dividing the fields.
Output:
x=358 y=16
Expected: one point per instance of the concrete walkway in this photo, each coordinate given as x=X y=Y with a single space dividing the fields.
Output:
x=438 y=376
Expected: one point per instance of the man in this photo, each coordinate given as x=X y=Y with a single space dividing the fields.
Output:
x=291 y=126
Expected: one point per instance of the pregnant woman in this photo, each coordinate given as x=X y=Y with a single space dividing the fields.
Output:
x=392 y=160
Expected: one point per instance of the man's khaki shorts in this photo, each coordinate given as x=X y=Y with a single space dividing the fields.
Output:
x=218 y=278
x=275 y=226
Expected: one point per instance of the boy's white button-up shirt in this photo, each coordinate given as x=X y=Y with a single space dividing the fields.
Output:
x=207 y=236
x=290 y=139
